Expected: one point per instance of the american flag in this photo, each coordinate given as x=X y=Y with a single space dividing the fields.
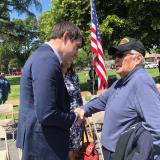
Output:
x=96 y=48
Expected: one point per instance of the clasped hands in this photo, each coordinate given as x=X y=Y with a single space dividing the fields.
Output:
x=80 y=113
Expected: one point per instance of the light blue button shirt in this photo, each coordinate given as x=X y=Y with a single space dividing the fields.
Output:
x=134 y=98
x=56 y=53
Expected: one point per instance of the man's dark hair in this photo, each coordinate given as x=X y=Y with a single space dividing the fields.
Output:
x=60 y=28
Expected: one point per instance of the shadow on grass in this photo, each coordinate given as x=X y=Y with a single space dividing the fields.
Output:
x=84 y=87
x=157 y=79
x=14 y=80
x=87 y=86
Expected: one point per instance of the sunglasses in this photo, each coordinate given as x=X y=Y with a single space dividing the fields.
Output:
x=119 y=55
x=122 y=55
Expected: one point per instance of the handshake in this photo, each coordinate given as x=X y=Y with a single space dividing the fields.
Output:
x=80 y=115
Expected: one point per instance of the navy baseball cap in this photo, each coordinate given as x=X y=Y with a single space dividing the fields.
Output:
x=127 y=44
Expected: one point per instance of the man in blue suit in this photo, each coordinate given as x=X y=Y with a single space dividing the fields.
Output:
x=44 y=116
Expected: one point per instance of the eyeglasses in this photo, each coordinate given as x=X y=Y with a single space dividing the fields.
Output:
x=118 y=56
x=122 y=55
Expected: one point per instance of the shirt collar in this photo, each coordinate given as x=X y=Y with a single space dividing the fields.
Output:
x=56 y=53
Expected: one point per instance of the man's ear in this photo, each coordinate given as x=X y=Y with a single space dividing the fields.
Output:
x=65 y=36
x=139 y=59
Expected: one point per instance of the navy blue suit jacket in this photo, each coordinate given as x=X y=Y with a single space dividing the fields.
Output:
x=44 y=117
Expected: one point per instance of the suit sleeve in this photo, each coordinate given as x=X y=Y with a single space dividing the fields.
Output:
x=46 y=82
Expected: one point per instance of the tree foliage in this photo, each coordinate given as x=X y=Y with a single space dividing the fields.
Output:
x=26 y=39
x=22 y=44
x=5 y=56
x=21 y=6
x=135 y=18
x=65 y=10
x=19 y=37
x=82 y=59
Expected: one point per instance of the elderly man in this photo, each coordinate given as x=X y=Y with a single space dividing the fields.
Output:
x=134 y=97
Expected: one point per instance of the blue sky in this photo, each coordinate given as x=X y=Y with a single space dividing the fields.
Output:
x=46 y=5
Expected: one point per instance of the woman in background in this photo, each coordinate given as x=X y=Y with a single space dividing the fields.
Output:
x=73 y=87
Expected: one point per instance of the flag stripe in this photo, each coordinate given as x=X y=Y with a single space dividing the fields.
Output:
x=96 y=48
x=102 y=79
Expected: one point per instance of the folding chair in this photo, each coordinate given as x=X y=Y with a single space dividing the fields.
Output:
x=86 y=96
x=7 y=118
x=97 y=121
x=15 y=102
x=99 y=92
x=4 y=154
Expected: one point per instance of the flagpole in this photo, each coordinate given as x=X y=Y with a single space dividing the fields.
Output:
x=92 y=67
x=93 y=88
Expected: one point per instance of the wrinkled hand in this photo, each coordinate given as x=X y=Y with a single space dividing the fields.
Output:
x=80 y=113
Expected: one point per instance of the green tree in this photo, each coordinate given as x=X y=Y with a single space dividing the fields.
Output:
x=5 y=57
x=19 y=37
x=13 y=63
x=25 y=41
x=21 y=6
x=135 y=18
x=65 y=10
x=82 y=59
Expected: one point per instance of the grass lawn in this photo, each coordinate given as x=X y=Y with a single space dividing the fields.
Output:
x=16 y=110
x=83 y=77
x=15 y=86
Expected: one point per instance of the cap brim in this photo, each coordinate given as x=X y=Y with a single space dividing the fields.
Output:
x=121 y=48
